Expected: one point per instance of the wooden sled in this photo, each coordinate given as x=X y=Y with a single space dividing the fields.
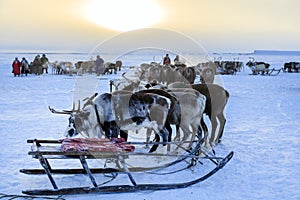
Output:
x=265 y=72
x=40 y=150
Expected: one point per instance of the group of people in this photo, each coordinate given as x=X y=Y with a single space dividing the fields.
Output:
x=20 y=67
x=40 y=64
x=167 y=60
x=37 y=67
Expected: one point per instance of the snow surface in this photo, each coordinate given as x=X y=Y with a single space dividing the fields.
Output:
x=263 y=118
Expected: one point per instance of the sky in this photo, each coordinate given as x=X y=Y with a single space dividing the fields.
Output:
x=217 y=25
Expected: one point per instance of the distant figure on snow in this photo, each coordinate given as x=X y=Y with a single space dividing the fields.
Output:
x=99 y=65
x=44 y=62
x=167 y=60
x=16 y=67
x=179 y=62
x=24 y=66
x=176 y=60
x=37 y=65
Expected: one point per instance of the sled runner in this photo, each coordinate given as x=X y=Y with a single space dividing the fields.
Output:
x=266 y=72
x=120 y=153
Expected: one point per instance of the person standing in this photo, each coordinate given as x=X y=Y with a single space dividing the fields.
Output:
x=44 y=62
x=24 y=66
x=16 y=67
x=99 y=65
x=167 y=60
x=37 y=65
x=176 y=60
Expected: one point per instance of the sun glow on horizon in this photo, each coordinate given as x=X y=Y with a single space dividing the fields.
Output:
x=123 y=15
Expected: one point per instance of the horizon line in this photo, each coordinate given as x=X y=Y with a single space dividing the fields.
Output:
x=259 y=51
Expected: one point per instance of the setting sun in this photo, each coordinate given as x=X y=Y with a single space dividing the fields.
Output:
x=123 y=15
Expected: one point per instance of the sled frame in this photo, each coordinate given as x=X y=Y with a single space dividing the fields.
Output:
x=266 y=72
x=43 y=156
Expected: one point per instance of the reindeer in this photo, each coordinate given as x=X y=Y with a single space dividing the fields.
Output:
x=179 y=107
x=56 y=67
x=192 y=105
x=186 y=111
x=216 y=101
x=189 y=74
x=258 y=67
x=110 y=67
x=108 y=114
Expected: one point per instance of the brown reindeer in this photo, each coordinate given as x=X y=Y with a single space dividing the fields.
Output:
x=216 y=100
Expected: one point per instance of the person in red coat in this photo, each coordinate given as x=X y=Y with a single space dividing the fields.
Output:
x=16 y=67
x=167 y=60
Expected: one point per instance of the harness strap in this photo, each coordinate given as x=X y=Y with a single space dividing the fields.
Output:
x=98 y=117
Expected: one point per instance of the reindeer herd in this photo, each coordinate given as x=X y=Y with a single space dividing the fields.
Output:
x=155 y=98
x=158 y=98
x=82 y=67
x=184 y=73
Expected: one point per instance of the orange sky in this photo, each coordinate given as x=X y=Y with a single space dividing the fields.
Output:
x=218 y=25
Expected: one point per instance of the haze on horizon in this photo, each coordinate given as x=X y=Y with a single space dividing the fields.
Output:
x=80 y=25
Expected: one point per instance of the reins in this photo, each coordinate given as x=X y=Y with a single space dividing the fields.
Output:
x=98 y=117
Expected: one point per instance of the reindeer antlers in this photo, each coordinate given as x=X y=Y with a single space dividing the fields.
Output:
x=66 y=112
x=59 y=112
x=127 y=79
x=89 y=100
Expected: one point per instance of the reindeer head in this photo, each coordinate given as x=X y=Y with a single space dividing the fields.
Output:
x=83 y=122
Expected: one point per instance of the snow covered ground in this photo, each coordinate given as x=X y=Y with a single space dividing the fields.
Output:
x=263 y=118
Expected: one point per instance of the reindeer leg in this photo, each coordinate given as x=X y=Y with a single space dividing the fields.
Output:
x=214 y=124
x=155 y=146
x=177 y=137
x=186 y=132
x=148 y=134
x=169 y=129
x=165 y=135
x=195 y=129
x=222 y=121
x=199 y=132
x=205 y=129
